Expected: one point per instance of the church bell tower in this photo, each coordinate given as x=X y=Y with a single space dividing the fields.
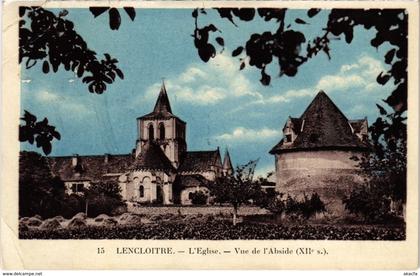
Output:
x=163 y=128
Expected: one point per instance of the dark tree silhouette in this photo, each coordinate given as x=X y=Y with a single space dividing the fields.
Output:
x=114 y=15
x=53 y=40
x=285 y=45
x=45 y=37
x=103 y=198
x=385 y=170
x=40 y=132
x=39 y=191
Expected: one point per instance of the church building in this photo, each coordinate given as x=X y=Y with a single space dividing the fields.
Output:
x=315 y=153
x=159 y=170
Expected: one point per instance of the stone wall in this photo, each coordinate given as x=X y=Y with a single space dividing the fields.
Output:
x=331 y=174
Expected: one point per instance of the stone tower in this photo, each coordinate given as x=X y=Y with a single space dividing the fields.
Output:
x=316 y=154
x=163 y=128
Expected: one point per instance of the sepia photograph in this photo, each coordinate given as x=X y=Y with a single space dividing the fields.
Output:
x=214 y=123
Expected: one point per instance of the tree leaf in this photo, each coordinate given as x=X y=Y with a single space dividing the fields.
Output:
x=389 y=56
x=29 y=117
x=87 y=79
x=265 y=79
x=114 y=19
x=206 y=52
x=237 y=51
x=245 y=14
x=383 y=79
x=312 y=12
x=63 y=13
x=96 y=11
x=382 y=110
x=22 y=11
x=131 y=12
x=349 y=35
x=119 y=73
x=195 y=13
x=80 y=71
x=56 y=134
x=46 y=148
x=226 y=13
x=300 y=21
x=45 y=67
x=220 y=41
x=28 y=65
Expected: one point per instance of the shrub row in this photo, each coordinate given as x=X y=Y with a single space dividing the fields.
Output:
x=222 y=230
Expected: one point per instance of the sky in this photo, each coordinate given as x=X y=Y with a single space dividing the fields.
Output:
x=223 y=106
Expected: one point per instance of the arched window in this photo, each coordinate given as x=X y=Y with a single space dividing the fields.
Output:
x=141 y=190
x=161 y=131
x=151 y=132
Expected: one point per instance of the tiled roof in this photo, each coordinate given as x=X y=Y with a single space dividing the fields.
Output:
x=152 y=158
x=324 y=126
x=197 y=161
x=90 y=167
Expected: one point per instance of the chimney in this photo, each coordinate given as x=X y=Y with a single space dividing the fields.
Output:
x=75 y=160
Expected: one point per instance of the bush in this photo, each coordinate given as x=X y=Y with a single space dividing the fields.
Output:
x=294 y=208
x=199 y=198
x=80 y=215
x=121 y=209
x=130 y=219
x=369 y=202
x=105 y=220
x=102 y=204
x=39 y=192
x=77 y=223
x=222 y=230
x=49 y=224
x=34 y=222
x=72 y=205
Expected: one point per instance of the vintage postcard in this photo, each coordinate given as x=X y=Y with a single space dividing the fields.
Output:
x=212 y=135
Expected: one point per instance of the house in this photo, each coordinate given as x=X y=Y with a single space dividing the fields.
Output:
x=315 y=153
x=160 y=169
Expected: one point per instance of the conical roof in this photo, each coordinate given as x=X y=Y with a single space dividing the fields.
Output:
x=152 y=158
x=323 y=126
x=227 y=163
x=162 y=109
x=162 y=104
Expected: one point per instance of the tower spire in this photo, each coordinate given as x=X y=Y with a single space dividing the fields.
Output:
x=162 y=104
x=227 y=164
